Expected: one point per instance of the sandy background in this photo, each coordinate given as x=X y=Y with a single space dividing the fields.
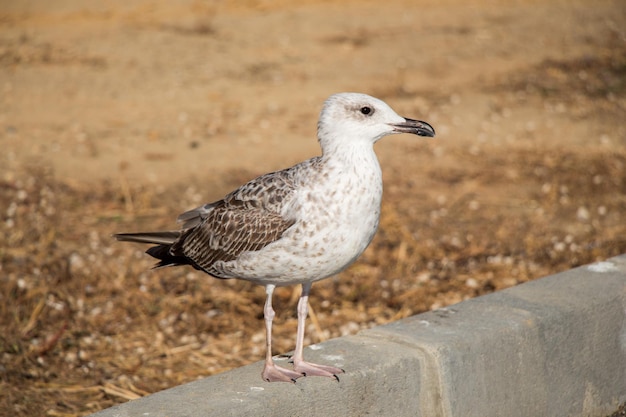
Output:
x=118 y=115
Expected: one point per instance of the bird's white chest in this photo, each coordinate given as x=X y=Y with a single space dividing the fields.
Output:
x=341 y=217
x=337 y=214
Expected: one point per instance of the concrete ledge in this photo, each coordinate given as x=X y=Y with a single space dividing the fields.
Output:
x=551 y=347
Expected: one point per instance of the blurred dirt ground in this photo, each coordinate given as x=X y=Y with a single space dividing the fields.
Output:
x=118 y=115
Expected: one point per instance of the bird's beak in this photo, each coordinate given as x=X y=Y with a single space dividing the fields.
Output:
x=416 y=127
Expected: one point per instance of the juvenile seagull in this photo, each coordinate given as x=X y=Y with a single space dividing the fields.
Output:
x=294 y=226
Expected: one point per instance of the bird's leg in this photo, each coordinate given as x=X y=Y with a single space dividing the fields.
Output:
x=299 y=364
x=272 y=372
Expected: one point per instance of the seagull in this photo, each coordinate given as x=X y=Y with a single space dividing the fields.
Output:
x=295 y=226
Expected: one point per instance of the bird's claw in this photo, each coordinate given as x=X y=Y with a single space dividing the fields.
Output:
x=273 y=373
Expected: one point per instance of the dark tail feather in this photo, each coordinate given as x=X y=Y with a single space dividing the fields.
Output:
x=159 y=238
x=162 y=253
x=164 y=242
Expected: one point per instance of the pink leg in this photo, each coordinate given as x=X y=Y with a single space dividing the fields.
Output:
x=272 y=372
x=299 y=364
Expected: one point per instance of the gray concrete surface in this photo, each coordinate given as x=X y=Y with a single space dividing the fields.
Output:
x=551 y=347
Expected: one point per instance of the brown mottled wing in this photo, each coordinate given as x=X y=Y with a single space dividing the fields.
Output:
x=248 y=219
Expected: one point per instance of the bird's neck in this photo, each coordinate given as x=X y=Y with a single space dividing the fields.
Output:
x=349 y=152
x=358 y=161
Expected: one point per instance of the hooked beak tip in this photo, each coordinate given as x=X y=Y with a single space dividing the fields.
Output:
x=416 y=127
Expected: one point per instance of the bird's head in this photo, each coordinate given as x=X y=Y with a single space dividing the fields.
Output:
x=354 y=118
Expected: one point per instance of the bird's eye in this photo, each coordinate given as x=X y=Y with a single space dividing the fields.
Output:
x=366 y=110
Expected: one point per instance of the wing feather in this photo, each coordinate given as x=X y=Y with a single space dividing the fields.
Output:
x=248 y=219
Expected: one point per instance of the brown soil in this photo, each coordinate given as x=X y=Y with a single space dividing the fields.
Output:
x=118 y=115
